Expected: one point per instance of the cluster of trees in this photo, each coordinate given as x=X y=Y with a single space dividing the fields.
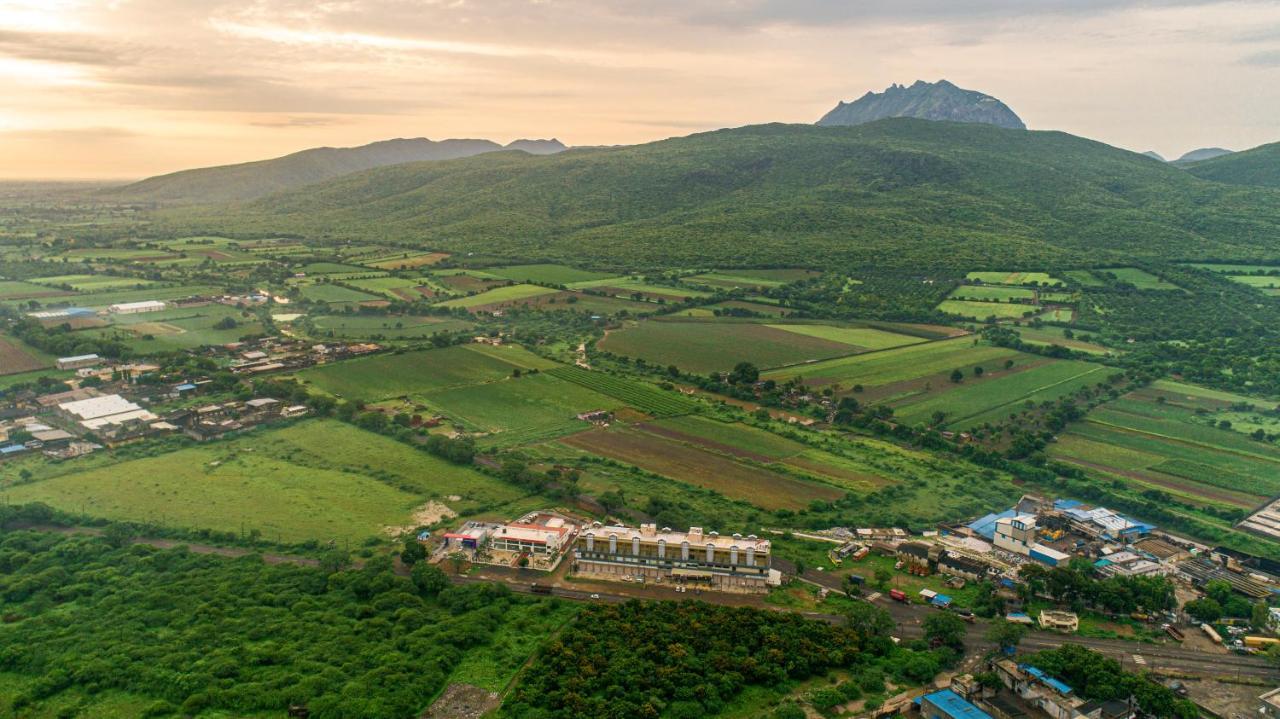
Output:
x=199 y=632
x=1221 y=601
x=60 y=340
x=1077 y=585
x=688 y=660
x=1095 y=676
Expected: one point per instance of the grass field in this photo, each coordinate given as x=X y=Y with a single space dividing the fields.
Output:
x=750 y=278
x=497 y=296
x=319 y=479
x=1140 y=279
x=898 y=365
x=1268 y=284
x=395 y=288
x=331 y=294
x=1054 y=336
x=756 y=307
x=1083 y=278
x=1014 y=278
x=1001 y=392
x=706 y=346
x=624 y=287
x=983 y=310
x=988 y=293
x=17 y=357
x=330 y=268
x=865 y=338
x=1060 y=315
x=99 y=300
x=172 y=329
x=391 y=327
x=547 y=274
x=681 y=462
x=1234 y=269
x=415 y=373
x=534 y=407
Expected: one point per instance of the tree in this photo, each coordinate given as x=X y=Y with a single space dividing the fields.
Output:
x=868 y=620
x=945 y=629
x=429 y=579
x=1005 y=635
x=883 y=575
x=744 y=373
x=413 y=552
x=977 y=371
x=957 y=376
x=1260 y=617
x=118 y=534
x=334 y=561
x=1205 y=610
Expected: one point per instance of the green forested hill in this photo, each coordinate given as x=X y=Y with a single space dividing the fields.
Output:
x=900 y=192
x=1259 y=166
x=250 y=180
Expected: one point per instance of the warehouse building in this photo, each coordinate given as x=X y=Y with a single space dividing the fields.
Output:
x=708 y=560
x=98 y=413
x=132 y=308
x=78 y=361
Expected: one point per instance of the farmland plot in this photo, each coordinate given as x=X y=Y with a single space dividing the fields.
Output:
x=706 y=346
x=414 y=373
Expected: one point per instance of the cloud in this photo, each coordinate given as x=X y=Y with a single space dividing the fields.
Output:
x=300 y=121
x=1269 y=58
x=71 y=48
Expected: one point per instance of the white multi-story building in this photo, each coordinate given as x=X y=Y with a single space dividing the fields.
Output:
x=710 y=560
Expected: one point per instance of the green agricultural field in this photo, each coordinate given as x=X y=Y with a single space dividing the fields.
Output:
x=988 y=293
x=332 y=294
x=750 y=278
x=330 y=268
x=1058 y=297
x=394 y=288
x=1001 y=392
x=16 y=290
x=390 y=327
x=93 y=283
x=386 y=376
x=759 y=308
x=983 y=310
x=548 y=274
x=319 y=479
x=707 y=346
x=624 y=287
x=499 y=296
x=100 y=300
x=634 y=393
x=405 y=260
x=1060 y=315
x=898 y=365
x=1014 y=278
x=534 y=407
x=1141 y=279
x=867 y=338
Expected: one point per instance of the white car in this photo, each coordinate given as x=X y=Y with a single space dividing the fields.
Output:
x=595 y=596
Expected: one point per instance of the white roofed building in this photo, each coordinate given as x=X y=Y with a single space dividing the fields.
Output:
x=97 y=413
x=706 y=559
x=129 y=308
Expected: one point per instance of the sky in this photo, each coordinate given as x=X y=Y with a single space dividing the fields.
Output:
x=130 y=88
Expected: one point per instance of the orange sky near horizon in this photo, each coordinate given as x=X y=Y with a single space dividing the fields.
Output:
x=130 y=88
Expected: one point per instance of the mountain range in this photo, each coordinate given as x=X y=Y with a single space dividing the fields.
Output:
x=250 y=180
x=899 y=192
x=926 y=101
x=1259 y=166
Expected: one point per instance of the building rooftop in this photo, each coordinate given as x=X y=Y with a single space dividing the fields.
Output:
x=1045 y=679
x=986 y=526
x=95 y=407
x=954 y=705
x=79 y=358
x=695 y=536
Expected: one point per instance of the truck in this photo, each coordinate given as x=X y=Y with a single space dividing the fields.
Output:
x=1254 y=642
x=540 y=588
x=898 y=595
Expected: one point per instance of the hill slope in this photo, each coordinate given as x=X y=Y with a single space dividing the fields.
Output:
x=1259 y=166
x=249 y=180
x=1200 y=155
x=899 y=192
x=926 y=101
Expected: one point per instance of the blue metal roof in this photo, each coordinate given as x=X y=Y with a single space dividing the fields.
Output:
x=1038 y=673
x=954 y=706
x=941 y=600
x=185 y=387
x=986 y=526
x=12 y=449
